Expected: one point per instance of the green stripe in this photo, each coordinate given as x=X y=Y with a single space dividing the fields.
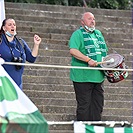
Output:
x=7 y=90
x=128 y=130
x=109 y=130
x=30 y=123
x=89 y=129
x=3 y=125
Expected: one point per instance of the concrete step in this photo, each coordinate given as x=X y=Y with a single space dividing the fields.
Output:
x=111 y=88
x=117 y=97
x=63 y=80
x=104 y=27
x=117 y=118
x=46 y=48
x=51 y=94
x=115 y=88
x=108 y=114
x=69 y=15
x=61 y=128
x=54 y=52
x=58 y=109
x=64 y=32
x=124 y=83
x=41 y=13
x=46 y=19
x=44 y=35
x=45 y=24
x=65 y=113
x=47 y=87
x=54 y=72
x=53 y=61
x=69 y=9
x=124 y=45
x=53 y=102
x=63 y=44
x=71 y=95
x=69 y=117
x=71 y=103
x=49 y=32
x=120 y=111
x=59 y=117
x=117 y=104
x=109 y=38
x=47 y=72
x=47 y=41
x=127 y=53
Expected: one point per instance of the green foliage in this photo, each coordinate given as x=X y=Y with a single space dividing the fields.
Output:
x=53 y=2
x=105 y=4
x=22 y=1
x=110 y=4
x=124 y=4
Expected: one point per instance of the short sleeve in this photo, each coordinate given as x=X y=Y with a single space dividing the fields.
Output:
x=75 y=40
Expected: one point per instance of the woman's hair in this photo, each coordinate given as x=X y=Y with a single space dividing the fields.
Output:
x=3 y=24
x=1 y=30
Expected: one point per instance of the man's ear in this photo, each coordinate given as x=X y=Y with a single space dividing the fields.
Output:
x=82 y=22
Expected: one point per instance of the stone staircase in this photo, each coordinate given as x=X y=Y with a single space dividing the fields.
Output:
x=49 y=87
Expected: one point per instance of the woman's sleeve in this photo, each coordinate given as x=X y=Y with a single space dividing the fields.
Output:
x=29 y=57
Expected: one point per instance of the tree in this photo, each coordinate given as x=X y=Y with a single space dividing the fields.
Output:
x=109 y=4
x=106 y=4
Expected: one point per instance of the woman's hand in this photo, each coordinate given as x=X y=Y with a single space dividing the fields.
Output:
x=37 y=40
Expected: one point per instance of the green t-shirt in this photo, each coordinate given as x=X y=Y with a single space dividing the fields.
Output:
x=91 y=47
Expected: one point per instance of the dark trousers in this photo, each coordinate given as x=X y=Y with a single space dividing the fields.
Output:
x=90 y=101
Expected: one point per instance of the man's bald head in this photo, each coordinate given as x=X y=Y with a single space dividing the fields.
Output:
x=88 y=19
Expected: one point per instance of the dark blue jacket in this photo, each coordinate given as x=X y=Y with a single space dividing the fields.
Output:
x=16 y=48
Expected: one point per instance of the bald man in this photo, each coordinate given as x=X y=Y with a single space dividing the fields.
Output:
x=87 y=47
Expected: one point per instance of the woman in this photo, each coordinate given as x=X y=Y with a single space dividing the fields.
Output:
x=14 y=50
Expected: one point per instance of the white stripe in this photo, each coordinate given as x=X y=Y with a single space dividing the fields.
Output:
x=2 y=71
x=98 y=52
x=21 y=105
x=2 y=11
x=119 y=130
x=79 y=127
x=99 y=129
x=18 y=106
